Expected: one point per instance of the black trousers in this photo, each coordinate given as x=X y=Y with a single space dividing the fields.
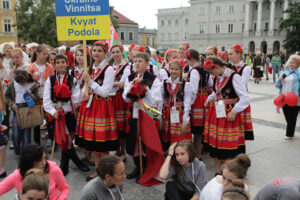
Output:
x=174 y=193
x=37 y=135
x=290 y=114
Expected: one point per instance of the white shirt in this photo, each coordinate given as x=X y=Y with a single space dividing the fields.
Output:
x=213 y=190
x=186 y=99
x=125 y=74
x=240 y=90
x=20 y=90
x=287 y=84
x=48 y=103
x=246 y=73
x=163 y=74
x=153 y=96
x=108 y=81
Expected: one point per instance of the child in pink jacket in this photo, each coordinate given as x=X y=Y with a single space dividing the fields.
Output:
x=33 y=156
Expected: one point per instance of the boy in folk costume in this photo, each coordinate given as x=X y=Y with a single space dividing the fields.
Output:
x=61 y=94
x=201 y=83
x=224 y=132
x=141 y=87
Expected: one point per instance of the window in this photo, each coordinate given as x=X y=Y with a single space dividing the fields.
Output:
x=230 y=28
x=148 y=41
x=7 y=26
x=254 y=28
x=281 y=5
x=169 y=36
x=201 y=29
x=218 y=28
x=218 y=9
x=244 y=8
x=231 y=8
x=223 y=48
x=256 y=6
x=266 y=26
x=186 y=21
x=243 y=27
x=176 y=36
x=5 y=4
x=122 y=35
x=202 y=11
x=176 y=21
x=162 y=36
x=169 y=22
x=130 y=35
x=186 y=35
x=153 y=42
x=162 y=22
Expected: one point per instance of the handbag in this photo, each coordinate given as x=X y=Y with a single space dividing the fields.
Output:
x=30 y=117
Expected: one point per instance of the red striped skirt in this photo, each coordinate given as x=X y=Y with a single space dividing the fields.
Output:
x=96 y=126
x=121 y=109
x=247 y=122
x=172 y=132
x=199 y=111
x=223 y=139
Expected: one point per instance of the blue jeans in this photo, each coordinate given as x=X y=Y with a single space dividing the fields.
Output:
x=275 y=69
x=20 y=138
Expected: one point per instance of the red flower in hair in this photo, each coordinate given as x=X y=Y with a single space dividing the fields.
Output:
x=132 y=46
x=188 y=45
x=62 y=91
x=237 y=48
x=224 y=56
x=88 y=51
x=105 y=45
x=209 y=64
x=187 y=54
x=216 y=48
x=219 y=54
x=182 y=63
x=142 y=49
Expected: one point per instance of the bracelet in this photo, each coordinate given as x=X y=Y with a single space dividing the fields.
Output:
x=170 y=155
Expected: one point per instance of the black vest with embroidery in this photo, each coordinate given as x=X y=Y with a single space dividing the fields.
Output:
x=179 y=95
x=227 y=91
x=120 y=73
x=54 y=98
x=204 y=76
x=148 y=78
x=186 y=69
x=99 y=80
x=240 y=71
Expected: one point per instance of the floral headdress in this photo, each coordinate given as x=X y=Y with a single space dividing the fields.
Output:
x=237 y=48
x=104 y=44
x=209 y=64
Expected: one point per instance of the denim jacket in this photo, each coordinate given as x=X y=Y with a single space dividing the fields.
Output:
x=296 y=82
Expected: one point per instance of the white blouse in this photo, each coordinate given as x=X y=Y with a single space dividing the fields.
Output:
x=187 y=99
x=125 y=74
x=246 y=73
x=163 y=74
x=287 y=84
x=155 y=70
x=240 y=89
x=48 y=103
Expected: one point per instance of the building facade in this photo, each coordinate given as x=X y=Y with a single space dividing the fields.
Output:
x=252 y=23
x=147 y=37
x=128 y=29
x=7 y=19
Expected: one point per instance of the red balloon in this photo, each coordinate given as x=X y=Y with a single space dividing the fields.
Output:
x=291 y=99
x=280 y=100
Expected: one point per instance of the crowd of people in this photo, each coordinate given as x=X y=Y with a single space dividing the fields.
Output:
x=164 y=112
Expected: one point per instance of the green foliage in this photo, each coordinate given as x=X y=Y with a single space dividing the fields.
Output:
x=292 y=26
x=36 y=21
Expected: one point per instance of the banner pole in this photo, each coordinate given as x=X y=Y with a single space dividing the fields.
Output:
x=86 y=89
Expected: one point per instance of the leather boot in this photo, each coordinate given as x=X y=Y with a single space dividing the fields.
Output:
x=74 y=157
x=64 y=163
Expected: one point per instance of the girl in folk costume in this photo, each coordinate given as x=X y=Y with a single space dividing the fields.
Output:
x=164 y=72
x=236 y=59
x=96 y=125
x=223 y=132
x=200 y=82
x=151 y=96
x=176 y=94
x=40 y=71
x=183 y=47
x=211 y=51
x=122 y=71
x=78 y=70
x=61 y=95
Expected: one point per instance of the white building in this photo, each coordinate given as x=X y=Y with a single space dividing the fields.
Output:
x=252 y=23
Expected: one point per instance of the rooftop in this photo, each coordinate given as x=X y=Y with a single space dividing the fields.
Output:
x=121 y=18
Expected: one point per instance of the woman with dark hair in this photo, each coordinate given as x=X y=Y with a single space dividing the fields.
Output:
x=201 y=83
x=258 y=67
x=224 y=136
x=187 y=171
x=34 y=156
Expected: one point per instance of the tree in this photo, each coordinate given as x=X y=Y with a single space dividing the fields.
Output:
x=292 y=26
x=36 y=21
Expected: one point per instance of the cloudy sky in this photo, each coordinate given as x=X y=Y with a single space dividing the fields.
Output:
x=144 y=11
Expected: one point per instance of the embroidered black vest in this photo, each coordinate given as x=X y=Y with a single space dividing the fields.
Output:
x=204 y=76
x=240 y=71
x=227 y=91
x=120 y=73
x=99 y=80
x=179 y=95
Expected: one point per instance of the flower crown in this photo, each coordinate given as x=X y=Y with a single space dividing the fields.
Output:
x=209 y=64
x=216 y=48
x=181 y=62
x=187 y=44
x=132 y=46
x=104 y=44
x=141 y=49
x=237 y=48
x=121 y=46
x=187 y=54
